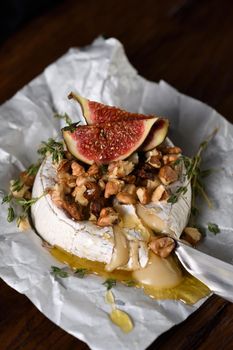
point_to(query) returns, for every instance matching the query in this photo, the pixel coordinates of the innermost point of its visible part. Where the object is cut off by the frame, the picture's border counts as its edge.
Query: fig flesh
(106, 142)
(156, 135)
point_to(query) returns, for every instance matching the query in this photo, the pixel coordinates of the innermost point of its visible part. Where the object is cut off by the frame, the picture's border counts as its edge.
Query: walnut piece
(28, 180)
(77, 169)
(131, 189)
(191, 235)
(126, 198)
(162, 246)
(158, 193)
(143, 195)
(172, 150)
(94, 170)
(167, 175)
(57, 195)
(93, 191)
(108, 217)
(73, 210)
(113, 187)
(155, 162)
(120, 169)
(78, 195)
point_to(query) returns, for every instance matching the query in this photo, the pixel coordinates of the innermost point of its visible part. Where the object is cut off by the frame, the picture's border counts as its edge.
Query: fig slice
(96, 112)
(156, 135)
(106, 142)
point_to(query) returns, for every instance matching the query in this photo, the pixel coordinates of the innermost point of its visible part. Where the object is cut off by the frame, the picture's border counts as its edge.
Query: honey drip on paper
(189, 291)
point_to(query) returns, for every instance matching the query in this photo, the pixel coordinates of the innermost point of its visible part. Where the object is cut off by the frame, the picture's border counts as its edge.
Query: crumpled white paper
(102, 72)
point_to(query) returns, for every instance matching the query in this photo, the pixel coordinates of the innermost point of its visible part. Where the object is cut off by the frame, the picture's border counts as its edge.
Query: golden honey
(189, 290)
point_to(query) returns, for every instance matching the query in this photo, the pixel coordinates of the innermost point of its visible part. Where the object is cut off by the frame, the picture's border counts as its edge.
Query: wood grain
(187, 43)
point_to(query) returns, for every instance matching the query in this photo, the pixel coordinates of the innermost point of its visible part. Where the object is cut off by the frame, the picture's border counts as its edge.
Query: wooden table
(187, 43)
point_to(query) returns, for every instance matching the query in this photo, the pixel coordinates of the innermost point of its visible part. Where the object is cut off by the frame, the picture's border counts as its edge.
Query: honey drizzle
(189, 291)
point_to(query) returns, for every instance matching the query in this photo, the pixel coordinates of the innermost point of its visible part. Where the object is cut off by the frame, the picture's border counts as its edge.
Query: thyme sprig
(58, 272)
(194, 175)
(64, 117)
(56, 149)
(81, 272)
(109, 283)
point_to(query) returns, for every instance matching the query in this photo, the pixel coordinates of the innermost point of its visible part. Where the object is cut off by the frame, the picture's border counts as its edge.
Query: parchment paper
(102, 72)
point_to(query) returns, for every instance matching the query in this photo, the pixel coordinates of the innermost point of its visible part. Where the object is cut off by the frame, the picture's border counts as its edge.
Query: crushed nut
(57, 195)
(169, 158)
(97, 205)
(77, 169)
(162, 246)
(126, 198)
(155, 162)
(120, 169)
(191, 235)
(108, 217)
(172, 150)
(113, 187)
(83, 179)
(93, 191)
(143, 195)
(158, 193)
(63, 166)
(78, 194)
(131, 189)
(154, 153)
(167, 175)
(73, 210)
(101, 184)
(94, 170)
(152, 184)
(129, 179)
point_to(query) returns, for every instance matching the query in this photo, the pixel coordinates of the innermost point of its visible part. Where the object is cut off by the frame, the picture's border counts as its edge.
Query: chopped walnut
(153, 153)
(73, 210)
(126, 198)
(113, 187)
(93, 191)
(146, 171)
(120, 169)
(129, 179)
(158, 193)
(155, 162)
(143, 195)
(169, 158)
(78, 194)
(57, 195)
(94, 170)
(77, 169)
(131, 189)
(108, 217)
(97, 205)
(172, 150)
(101, 184)
(67, 180)
(191, 235)
(83, 179)
(167, 175)
(152, 184)
(162, 246)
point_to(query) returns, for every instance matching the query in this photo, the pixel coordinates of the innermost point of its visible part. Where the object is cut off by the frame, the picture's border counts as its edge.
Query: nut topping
(108, 217)
(143, 195)
(77, 169)
(167, 175)
(162, 246)
(191, 235)
(113, 187)
(126, 198)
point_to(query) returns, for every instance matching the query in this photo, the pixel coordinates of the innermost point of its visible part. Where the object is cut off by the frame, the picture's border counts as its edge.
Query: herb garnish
(130, 283)
(213, 228)
(194, 176)
(56, 149)
(57, 272)
(109, 283)
(81, 272)
(11, 214)
(17, 185)
(65, 117)
(33, 169)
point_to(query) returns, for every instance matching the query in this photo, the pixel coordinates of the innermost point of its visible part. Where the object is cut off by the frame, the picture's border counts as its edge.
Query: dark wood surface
(187, 43)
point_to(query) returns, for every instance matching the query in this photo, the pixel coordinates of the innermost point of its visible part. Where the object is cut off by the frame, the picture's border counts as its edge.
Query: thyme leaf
(213, 228)
(7, 198)
(130, 283)
(64, 117)
(57, 272)
(109, 283)
(56, 149)
(11, 214)
(17, 185)
(81, 272)
(71, 127)
(33, 169)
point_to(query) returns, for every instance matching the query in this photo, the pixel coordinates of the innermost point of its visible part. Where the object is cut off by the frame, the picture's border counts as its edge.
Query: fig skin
(156, 135)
